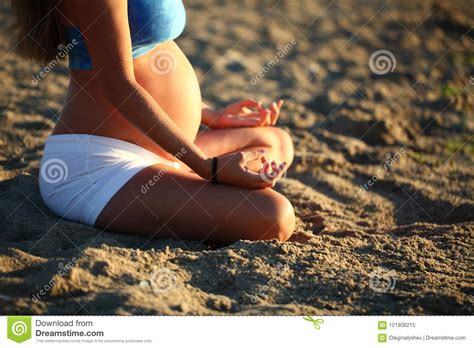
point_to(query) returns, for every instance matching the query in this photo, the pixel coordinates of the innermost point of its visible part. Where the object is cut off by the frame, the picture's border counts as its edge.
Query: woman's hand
(246, 113)
(232, 169)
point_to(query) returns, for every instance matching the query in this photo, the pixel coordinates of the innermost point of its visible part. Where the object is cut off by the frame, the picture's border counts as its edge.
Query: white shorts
(80, 173)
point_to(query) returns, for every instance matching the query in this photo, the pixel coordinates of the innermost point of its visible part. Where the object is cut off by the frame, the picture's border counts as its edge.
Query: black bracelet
(214, 170)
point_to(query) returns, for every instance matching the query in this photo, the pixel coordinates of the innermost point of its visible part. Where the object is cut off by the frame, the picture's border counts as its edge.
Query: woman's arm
(105, 26)
(108, 41)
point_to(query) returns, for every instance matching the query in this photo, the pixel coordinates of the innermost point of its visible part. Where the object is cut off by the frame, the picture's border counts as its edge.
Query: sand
(382, 181)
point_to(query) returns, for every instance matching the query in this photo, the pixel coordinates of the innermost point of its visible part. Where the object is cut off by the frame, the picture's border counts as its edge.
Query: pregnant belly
(168, 77)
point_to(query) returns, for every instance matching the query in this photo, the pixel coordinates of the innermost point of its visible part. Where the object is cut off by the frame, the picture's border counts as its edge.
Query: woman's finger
(245, 111)
(249, 103)
(276, 112)
(251, 114)
(276, 108)
(250, 121)
(266, 165)
(280, 170)
(282, 167)
(274, 167)
(265, 114)
(242, 120)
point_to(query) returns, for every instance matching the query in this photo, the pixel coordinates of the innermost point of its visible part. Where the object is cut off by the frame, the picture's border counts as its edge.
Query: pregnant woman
(127, 155)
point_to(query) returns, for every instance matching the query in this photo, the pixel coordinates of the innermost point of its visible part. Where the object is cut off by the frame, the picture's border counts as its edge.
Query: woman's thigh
(168, 203)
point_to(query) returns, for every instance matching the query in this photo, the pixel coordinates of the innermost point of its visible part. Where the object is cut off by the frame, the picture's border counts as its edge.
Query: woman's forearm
(138, 106)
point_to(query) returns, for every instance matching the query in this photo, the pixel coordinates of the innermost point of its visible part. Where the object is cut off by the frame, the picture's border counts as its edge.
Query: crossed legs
(182, 205)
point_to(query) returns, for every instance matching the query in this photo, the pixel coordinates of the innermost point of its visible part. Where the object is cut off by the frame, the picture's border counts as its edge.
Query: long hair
(37, 30)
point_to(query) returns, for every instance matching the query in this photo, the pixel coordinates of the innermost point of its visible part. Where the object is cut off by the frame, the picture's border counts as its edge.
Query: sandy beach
(382, 181)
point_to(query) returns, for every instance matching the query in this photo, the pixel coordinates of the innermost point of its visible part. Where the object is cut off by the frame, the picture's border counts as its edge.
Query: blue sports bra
(151, 23)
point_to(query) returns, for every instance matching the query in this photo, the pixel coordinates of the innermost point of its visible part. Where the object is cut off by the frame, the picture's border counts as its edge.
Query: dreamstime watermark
(273, 174)
(382, 62)
(54, 170)
(283, 50)
(390, 160)
(160, 173)
(163, 62)
(263, 290)
(63, 52)
(19, 328)
(63, 270)
(382, 280)
(163, 280)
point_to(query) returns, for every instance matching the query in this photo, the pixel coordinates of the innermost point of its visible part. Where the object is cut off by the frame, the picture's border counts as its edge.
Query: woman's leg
(277, 142)
(167, 203)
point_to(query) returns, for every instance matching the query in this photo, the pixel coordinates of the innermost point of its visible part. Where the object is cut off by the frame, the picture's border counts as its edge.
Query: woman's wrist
(204, 168)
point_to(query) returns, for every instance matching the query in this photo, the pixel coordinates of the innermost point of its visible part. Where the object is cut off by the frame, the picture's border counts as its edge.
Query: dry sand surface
(402, 245)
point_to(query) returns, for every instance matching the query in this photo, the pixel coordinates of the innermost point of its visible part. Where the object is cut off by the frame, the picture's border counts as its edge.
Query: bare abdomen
(164, 72)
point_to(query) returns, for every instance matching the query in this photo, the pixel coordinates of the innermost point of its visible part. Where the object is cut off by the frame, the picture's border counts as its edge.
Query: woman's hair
(37, 29)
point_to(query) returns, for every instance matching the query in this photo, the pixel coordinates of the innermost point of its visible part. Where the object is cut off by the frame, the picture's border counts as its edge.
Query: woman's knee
(283, 143)
(279, 218)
